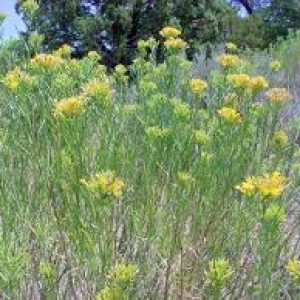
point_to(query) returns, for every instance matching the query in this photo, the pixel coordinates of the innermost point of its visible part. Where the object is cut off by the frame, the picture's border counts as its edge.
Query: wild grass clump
(147, 182)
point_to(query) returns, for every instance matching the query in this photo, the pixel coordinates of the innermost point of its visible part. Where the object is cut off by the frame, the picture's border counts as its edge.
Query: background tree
(114, 26)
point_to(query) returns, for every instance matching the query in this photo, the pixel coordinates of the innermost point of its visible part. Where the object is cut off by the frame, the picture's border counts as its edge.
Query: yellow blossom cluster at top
(170, 32)
(231, 46)
(281, 138)
(64, 51)
(30, 6)
(110, 293)
(230, 114)
(13, 79)
(105, 182)
(201, 137)
(47, 61)
(198, 85)
(158, 132)
(219, 272)
(276, 65)
(269, 185)
(123, 273)
(99, 90)
(68, 107)
(243, 81)
(176, 44)
(278, 95)
(293, 268)
(228, 60)
(240, 81)
(258, 83)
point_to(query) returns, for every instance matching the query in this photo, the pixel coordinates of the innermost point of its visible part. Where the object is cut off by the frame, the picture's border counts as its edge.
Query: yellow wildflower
(230, 114)
(219, 272)
(30, 6)
(201, 137)
(120, 69)
(175, 44)
(158, 132)
(248, 187)
(185, 178)
(281, 138)
(181, 109)
(293, 267)
(68, 107)
(47, 270)
(170, 32)
(228, 60)
(94, 55)
(231, 46)
(99, 90)
(64, 51)
(123, 273)
(13, 79)
(239, 80)
(46, 60)
(258, 83)
(105, 182)
(276, 65)
(198, 86)
(278, 95)
(271, 185)
(275, 214)
(110, 293)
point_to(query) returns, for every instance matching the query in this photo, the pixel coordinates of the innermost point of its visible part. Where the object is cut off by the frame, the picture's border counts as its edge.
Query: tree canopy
(113, 27)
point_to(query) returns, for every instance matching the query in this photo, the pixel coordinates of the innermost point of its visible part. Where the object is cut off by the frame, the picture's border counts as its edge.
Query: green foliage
(114, 27)
(112, 188)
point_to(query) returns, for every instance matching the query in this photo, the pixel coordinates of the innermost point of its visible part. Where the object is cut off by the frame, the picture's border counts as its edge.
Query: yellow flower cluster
(293, 267)
(120, 69)
(157, 132)
(275, 214)
(64, 51)
(185, 179)
(276, 65)
(13, 79)
(219, 272)
(29, 6)
(278, 95)
(181, 109)
(258, 83)
(198, 86)
(201, 137)
(240, 81)
(231, 46)
(170, 32)
(281, 138)
(228, 60)
(230, 114)
(247, 187)
(175, 44)
(99, 90)
(94, 55)
(68, 107)
(123, 273)
(47, 61)
(110, 293)
(243, 81)
(231, 98)
(106, 182)
(269, 185)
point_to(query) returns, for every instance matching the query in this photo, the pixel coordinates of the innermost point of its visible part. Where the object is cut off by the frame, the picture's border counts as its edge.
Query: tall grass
(179, 228)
